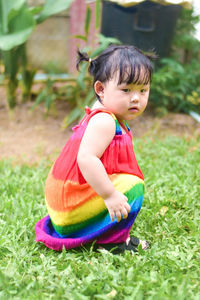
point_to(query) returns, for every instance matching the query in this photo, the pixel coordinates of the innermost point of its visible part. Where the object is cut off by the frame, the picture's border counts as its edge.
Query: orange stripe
(96, 205)
(62, 196)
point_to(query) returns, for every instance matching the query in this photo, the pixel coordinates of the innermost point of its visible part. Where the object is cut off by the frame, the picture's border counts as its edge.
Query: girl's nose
(134, 97)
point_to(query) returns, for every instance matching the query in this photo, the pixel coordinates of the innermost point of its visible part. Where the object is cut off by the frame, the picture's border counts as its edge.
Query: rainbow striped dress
(76, 213)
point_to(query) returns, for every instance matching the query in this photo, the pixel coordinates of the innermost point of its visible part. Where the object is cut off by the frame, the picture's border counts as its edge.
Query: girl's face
(125, 101)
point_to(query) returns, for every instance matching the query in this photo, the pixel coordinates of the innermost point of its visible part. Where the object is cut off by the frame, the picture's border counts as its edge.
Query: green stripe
(118, 128)
(135, 192)
(68, 229)
(132, 194)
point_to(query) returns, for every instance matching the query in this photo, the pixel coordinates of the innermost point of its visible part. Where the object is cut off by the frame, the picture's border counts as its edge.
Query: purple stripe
(109, 234)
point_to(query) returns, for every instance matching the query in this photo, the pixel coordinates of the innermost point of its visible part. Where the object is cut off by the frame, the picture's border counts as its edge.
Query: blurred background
(41, 88)
(42, 97)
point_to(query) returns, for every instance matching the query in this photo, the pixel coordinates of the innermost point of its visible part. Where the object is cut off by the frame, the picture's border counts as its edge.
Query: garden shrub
(176, 83)
(176, 87)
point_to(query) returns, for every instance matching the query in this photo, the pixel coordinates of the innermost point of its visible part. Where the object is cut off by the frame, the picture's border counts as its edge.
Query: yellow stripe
(122, 183)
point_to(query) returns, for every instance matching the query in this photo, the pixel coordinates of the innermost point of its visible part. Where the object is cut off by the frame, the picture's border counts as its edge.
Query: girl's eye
(143, 90)
(126, 90)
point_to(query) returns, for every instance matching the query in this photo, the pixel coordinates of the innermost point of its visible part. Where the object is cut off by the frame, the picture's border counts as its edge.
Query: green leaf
(40, 98)
(73, 116)
(108, 40)
(104, 43)
(7, 7)
(20, 28)
(7, 42)
(97, 51)
(89, 97)
(81, 77)
(81, 37)
(52, 7)
(49, 100)
(35, 10)
(11, 62)
(87, 21)
(97, 13)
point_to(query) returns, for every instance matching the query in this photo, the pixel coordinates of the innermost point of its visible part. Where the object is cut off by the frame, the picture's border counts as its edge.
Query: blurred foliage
(175, 87)
(184, 40)
(52, 67)
(79, 92)
(176, 83)
(48, 95)
(17, 21)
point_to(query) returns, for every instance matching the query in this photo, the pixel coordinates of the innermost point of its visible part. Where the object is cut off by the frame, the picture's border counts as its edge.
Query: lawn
(169, 219)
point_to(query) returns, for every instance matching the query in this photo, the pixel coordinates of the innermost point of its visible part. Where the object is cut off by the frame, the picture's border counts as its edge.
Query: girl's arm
(98, 135)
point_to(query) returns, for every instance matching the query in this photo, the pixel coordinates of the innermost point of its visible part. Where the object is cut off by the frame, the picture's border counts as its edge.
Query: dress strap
(127, 127)
(89, 113)
(118, 127)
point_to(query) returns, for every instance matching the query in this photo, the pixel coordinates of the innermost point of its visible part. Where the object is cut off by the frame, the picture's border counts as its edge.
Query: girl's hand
(117, 205)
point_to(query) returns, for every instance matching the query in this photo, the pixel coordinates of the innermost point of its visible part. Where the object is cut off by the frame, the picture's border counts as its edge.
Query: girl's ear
(99, 89)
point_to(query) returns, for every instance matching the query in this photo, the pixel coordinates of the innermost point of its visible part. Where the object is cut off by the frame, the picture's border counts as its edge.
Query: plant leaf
(20, 28)
(82, 75)
(52, 7)
(35, 10)
(97, 13)
(104, 43)
(40, 98)
(81, 37)
(89, 97)
(49, 100)
(72, 116)
(87, 21)
(8, 8)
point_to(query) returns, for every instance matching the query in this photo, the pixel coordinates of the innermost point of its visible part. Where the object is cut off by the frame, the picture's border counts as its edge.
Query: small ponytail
(82, 56)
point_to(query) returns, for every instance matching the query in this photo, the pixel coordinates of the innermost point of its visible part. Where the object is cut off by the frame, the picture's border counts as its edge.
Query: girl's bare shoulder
(98, 135)
(103, 122)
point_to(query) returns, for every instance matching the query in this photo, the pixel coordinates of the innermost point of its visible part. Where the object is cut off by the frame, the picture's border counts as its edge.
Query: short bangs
(131, 65)
(131, 69)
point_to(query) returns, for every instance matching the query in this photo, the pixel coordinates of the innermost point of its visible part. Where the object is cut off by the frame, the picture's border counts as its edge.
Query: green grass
(169, 219)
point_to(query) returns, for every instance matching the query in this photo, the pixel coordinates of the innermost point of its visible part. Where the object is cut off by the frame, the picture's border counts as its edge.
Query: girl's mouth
(134, 109)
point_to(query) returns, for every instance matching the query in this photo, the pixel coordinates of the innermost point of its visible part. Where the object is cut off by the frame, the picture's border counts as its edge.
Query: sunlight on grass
(169, 219)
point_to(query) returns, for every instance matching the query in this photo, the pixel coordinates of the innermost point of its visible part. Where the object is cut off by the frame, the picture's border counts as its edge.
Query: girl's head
(128, 62)
(121, 66)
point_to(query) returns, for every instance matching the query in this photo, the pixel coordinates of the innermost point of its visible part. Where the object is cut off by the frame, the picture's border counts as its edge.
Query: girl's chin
(133, 115)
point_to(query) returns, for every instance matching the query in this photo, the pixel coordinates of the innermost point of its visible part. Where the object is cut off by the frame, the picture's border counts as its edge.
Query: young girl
(94, 190)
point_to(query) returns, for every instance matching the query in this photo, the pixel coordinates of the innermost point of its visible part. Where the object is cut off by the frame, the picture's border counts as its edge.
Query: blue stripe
(107, 223)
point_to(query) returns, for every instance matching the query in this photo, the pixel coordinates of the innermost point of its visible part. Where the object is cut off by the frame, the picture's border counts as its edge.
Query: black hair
(132, 64)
